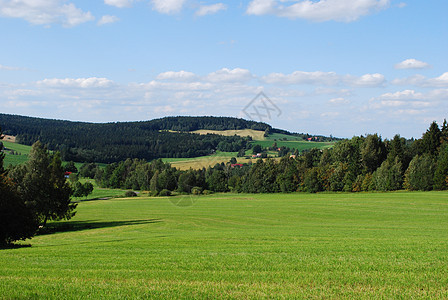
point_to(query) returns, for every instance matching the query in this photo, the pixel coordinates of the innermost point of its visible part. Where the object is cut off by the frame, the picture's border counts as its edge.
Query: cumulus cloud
(368, 80)
(409, 98)
(422, 81)
(92, 82)
(228, 75)
(319, 11)
(179, 76)
(210, 9)
(45, 12)
(441, 81)
(339, 101)
(168, 6)
(412, 64)
(324, 78)
(301, 77)
(177, 86)
(119, 3)
(108, 20)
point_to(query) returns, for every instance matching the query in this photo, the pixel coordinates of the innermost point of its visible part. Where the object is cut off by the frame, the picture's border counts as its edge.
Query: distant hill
(169, 137)
(112, 142)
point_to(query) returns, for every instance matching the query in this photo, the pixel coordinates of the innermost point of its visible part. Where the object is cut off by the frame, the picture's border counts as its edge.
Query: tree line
(362, 163)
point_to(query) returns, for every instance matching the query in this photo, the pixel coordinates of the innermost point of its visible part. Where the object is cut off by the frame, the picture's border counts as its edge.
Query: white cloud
(420, 80)
(177, 86)
(409, 98)
(108, 20)
(412, 64)
(92, 82)
(331, 114)
(441, 81)
(319, 11)
(300, 77)
(178, 76)
(339, 101)
(8, 68)
(210, 9)
(368, 80)
(119, 3)
(45, 12)
(168, 6)
(228, 75)
(324, 78)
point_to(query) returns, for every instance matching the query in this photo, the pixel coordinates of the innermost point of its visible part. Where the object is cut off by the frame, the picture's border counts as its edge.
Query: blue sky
(330, 67)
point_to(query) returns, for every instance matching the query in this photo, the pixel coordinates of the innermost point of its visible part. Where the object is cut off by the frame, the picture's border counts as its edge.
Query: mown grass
(299, 145)
(100, 193)
(201, 161)
(15, 159)
(318, 246)
(254, 134)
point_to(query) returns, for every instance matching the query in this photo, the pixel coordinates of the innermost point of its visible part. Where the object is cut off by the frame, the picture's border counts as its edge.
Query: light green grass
(10, 159)
(100, 193)
(321, 246)
(200, 161)
(299, 145)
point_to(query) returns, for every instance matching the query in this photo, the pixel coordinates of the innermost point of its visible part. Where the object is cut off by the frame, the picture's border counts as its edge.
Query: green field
(22, 156)
(201, 161)
(299, 145)
(381, 245)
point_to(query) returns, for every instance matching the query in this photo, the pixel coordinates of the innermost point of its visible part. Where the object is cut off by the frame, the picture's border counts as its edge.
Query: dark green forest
(363, 163)
(113, 142)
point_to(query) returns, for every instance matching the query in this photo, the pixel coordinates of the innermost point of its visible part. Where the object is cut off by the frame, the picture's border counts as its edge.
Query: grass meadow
(16, 159)
(366, 245)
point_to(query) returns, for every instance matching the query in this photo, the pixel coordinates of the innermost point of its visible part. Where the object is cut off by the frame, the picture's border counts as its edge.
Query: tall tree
(373, 153)
(431, 139)
(42, 183)
(441, 172)
(420, 173)
(17, 222)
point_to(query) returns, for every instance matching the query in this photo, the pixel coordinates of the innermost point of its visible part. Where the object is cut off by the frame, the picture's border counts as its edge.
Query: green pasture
(299, 145)
(201, 161)
(15, 159)
(100, 193)
(272, 246)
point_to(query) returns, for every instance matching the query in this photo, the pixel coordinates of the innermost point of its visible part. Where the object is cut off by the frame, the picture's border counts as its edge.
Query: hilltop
(169, 137)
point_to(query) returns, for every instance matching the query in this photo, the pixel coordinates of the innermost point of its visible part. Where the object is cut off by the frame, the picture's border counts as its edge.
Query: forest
(113, 142)
(362, 163)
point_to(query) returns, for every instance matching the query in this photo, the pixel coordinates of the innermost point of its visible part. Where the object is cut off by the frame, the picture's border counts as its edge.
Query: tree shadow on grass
(14, 246)
(68, 226)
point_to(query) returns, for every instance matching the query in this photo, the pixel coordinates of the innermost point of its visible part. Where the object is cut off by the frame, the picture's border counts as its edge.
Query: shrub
(207, 192)
(130, 194)
(196, 190)
(165, 193)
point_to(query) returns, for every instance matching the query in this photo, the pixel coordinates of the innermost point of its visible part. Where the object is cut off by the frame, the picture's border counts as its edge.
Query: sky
(328, 67)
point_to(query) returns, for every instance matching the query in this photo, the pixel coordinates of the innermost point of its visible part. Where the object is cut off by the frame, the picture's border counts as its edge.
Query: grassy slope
(23, 150)
(255, 134)
(241, 246)
(299, 145)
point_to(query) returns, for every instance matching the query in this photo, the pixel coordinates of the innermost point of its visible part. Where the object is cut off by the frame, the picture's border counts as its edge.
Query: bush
(165, 193)
(196, 190)
(130, 194)
(207, 192)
